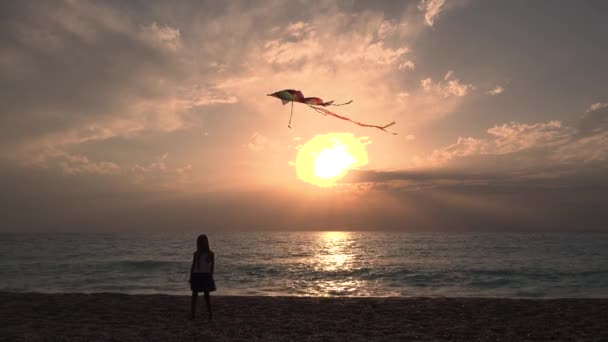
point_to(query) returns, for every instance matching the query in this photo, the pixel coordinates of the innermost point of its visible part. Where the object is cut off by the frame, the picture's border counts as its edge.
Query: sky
(143, 115)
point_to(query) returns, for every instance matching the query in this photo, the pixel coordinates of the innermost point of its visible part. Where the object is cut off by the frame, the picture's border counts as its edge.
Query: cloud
(258, 142)
(407, 65)
(589, 143)
(514, 152)
(376, 53)
(158, 165)
(291, 52)
(504, 139)
(545, 143)
(431, 9)
(446, 179)
(341, 56)
(392, 28)
(168, 36)
(138, 116)
(451, 87)
(77, 164)
(518, 177)
(462, 148)
(513, 137)
(298, 29)
(84, 73)
(596, 106)
(496, 91)
(144, 103)
(160, 175)
(308, 44)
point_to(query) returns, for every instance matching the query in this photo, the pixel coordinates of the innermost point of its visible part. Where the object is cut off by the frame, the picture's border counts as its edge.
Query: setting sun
(327, 158)
(333, 161)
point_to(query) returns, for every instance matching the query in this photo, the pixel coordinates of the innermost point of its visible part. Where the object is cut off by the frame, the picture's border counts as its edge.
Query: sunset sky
(140, 115)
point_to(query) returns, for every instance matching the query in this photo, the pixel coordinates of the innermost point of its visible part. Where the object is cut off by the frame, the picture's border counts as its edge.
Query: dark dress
(202, 282)
(201, 279)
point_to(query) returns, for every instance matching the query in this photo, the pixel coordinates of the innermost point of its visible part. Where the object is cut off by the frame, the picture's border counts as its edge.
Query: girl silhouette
(201, 273)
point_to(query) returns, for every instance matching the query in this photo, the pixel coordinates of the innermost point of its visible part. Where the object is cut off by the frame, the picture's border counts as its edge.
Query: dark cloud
(594, 121)
(378, 176)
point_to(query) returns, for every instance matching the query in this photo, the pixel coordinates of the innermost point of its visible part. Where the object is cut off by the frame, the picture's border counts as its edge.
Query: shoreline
(157, 317)
(286, 295)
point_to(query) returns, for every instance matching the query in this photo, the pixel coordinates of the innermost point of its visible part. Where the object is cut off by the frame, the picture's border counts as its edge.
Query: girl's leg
(208, 302)
(193, 304)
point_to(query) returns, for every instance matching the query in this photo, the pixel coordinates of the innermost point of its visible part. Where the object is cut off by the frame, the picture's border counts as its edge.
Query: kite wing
(290, 95)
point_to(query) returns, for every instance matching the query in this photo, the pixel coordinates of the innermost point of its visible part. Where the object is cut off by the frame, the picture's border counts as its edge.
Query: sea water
(313, 263)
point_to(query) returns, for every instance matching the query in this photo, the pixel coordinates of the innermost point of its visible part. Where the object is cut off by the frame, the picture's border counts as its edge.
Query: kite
(290, 95)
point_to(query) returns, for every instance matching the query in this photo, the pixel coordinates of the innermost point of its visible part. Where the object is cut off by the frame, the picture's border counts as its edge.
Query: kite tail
(326, 112)
(341, 104)
(290, 115)
(331, 103)
(389, 125)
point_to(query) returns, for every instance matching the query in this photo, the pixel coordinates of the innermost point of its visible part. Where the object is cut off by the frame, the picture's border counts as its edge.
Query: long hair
(202, 244)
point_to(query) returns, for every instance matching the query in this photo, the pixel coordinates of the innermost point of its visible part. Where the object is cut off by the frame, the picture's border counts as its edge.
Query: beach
(121, 317)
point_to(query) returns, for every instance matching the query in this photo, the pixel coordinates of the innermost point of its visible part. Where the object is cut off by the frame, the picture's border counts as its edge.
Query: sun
(332, 162)
(327, 158)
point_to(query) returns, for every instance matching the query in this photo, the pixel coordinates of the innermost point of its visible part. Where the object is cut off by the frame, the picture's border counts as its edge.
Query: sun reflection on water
(334, 256)
(333, 251)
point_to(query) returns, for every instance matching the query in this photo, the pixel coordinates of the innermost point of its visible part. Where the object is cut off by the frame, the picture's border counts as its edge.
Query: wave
(300, 264)
(147, 265)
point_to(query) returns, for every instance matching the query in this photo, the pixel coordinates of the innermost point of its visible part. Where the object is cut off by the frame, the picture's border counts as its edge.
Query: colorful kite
(290, 95)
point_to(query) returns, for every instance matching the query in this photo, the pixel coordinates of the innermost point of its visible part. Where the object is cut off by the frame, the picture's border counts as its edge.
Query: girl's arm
(192, 267)
(212, 263)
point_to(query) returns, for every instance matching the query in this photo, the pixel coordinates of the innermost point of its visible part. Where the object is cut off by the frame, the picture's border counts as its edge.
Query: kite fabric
(290, 95)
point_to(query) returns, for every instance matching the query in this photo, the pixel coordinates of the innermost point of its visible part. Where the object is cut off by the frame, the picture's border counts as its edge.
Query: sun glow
(327, 158)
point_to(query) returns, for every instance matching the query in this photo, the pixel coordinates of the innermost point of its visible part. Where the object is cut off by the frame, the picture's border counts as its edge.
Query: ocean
(313, 264)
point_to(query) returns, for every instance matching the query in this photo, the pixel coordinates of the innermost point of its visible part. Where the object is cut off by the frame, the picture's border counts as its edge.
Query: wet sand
(119, 317)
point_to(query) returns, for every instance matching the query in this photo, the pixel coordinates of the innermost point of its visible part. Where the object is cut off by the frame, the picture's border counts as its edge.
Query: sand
(119, 317)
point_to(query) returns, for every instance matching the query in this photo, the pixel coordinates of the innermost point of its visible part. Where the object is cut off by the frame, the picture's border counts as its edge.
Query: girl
(201, 273)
